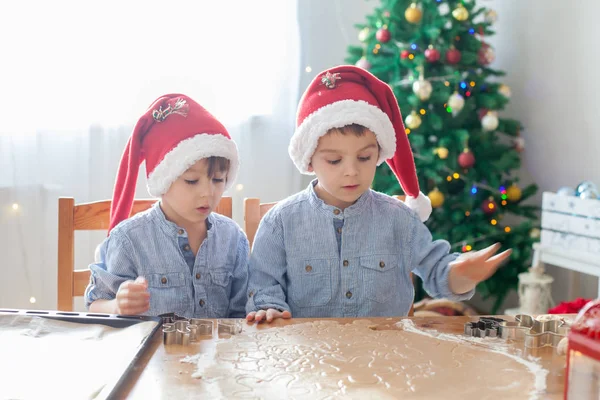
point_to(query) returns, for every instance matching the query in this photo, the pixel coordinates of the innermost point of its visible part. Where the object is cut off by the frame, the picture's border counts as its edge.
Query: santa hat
(348, 95)
(171, 136)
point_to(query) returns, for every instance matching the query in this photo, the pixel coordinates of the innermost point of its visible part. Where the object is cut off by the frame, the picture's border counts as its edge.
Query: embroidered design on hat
(329, 80)
(180, 107)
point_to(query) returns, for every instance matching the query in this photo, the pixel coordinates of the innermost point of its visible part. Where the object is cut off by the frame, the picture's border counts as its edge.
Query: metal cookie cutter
(182, 331)
(229, 326)
(535, 332)
(486, 326)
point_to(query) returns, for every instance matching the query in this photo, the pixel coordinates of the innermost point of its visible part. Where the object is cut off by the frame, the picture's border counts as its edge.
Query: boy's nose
(205, 190)
(351, 169)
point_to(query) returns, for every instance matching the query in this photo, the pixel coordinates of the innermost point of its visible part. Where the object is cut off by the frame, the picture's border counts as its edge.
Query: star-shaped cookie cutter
(486, 326)
(534, 332)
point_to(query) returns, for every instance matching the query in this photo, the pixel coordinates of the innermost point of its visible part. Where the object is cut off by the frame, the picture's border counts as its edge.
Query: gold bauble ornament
(441, 152)
(436, 197)
(363, 35)
(535, 233)
(504, 90)
(413, 120)
(513, 193)
(460, 13)
(413, 14)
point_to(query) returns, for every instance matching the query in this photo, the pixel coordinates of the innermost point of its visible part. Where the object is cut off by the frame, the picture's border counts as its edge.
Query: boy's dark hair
(356, 129)
(217, 164)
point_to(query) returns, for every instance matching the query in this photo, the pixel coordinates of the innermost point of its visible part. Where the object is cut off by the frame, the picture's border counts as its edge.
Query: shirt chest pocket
(309, 282)
(380, 277)
(167, 292)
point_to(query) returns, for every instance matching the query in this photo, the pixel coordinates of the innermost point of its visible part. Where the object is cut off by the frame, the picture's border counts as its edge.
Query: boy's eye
(364, 158)
(218, 180)
(333, 162)
(191, 182)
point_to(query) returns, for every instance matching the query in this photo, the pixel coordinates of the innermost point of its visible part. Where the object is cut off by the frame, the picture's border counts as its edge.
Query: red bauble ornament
(432, 55)
(482, 112)
(383, 35)
(489, 206)
(485, 55)
(466, 159)
(404, 54)
(453, 56)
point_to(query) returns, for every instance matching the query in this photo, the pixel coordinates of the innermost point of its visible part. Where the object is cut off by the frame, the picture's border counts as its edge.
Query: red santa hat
(171, 136)
(348, 95)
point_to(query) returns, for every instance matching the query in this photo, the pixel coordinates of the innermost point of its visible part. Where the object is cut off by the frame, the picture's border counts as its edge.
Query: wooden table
(161, 374)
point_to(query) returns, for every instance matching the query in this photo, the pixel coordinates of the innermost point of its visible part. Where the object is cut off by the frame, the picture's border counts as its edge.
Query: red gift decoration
(569, 307)
(583, 354)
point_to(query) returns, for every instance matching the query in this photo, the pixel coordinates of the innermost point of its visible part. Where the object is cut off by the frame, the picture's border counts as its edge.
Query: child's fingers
(260, 315)
(498, 259)
(250, 316)
(273, 314)
(142, 281)
(486, 253)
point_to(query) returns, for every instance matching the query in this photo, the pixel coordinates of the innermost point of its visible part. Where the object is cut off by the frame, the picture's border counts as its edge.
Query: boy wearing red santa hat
(178, 256)
(340, 249)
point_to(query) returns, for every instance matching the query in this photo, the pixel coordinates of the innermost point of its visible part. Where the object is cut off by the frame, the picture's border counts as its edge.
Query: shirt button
(381, 264)
(336, 211)
(198, 275)
(339, 230)
(308, 268)
(187, 247)
(251, 294)
(180, 231)
(201, 302)
(163, 280)
(346, 263)
(348, 294)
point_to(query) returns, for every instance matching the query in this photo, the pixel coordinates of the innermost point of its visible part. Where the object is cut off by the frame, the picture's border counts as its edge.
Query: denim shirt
(316, 260)
(213, 284)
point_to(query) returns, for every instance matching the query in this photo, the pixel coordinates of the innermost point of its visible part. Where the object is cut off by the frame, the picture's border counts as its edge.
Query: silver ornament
(585, 185)
(491, 16)
(489, 122)
(422, 89)
(589, 193)
(565, 191)
(363, 63)
(456, 103)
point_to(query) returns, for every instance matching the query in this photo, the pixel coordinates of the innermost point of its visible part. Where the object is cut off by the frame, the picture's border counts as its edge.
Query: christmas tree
(434, 55)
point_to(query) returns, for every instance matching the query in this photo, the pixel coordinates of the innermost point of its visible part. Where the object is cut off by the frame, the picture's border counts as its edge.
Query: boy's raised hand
(133, 297)
(473, 267)
(268, 315)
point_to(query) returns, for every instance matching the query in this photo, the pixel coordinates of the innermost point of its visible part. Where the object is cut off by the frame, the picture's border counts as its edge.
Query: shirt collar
(171, 228)
(335, 212)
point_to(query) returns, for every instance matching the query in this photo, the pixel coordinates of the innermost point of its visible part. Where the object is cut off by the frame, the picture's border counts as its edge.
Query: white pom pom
(421, 204)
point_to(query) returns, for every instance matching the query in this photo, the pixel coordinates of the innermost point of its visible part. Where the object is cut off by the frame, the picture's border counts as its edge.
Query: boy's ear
(310, 168)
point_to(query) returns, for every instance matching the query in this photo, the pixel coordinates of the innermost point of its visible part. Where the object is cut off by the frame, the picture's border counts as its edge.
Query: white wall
(548, 50)
(326, 30)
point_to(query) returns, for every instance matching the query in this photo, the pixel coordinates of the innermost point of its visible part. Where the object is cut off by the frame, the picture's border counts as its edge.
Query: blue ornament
(585, 185)
(566, 191)
(589, 193)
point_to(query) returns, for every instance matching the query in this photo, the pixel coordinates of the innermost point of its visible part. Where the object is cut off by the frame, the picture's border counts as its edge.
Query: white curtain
(75, 77)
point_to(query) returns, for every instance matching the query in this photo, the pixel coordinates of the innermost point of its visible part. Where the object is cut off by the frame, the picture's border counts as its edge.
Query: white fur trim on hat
(421, 204)
(186, 154)
(337, 115)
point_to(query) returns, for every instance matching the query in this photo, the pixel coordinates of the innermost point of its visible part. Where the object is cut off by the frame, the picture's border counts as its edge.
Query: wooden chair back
(90, 217)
